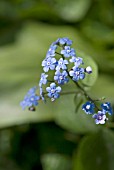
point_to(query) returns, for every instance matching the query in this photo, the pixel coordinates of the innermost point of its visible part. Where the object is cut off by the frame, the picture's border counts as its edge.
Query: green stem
(110, 125)
(84, 92)
(70, 92)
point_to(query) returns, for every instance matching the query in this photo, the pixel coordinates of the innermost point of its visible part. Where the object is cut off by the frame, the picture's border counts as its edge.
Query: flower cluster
(100, 117)
(60, 66)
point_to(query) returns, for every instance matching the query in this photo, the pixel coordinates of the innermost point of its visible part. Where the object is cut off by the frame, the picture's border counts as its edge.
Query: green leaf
(104, 87)
(55, 161)
(90, 79)
(65, 116)
(72, 11)
(96, 152)
(78, 100)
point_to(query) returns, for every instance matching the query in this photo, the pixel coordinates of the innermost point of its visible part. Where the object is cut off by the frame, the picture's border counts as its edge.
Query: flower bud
(88, 70)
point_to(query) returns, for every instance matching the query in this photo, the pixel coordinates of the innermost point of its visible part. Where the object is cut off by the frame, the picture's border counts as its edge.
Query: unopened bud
(88, 70)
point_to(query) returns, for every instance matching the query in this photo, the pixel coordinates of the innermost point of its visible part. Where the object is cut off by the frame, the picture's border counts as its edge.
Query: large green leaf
(72, 11)
(104, 86)
(66, 117)
(96, 152)
(54, 161)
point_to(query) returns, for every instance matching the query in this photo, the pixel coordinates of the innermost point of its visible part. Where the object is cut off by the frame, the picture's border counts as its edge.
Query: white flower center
(48, 63)
(53, 90)
(32, 99)
(61, 77)
(77, 73)
(88, 107)
(68, 51)
(60, 63)
(99, 117)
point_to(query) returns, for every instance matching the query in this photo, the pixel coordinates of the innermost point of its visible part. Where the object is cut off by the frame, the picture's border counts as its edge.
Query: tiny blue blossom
(53, 91)
(100, 118)
(88, 107)
(41, 94)
(61, 78)
(43, 79)
(77, 73)
(49, 63)
(61, 64)
(68, 52)
(31, 99)
(63, 41)
(51, 51)
(76, 60)
(106, 107)
(32, 91)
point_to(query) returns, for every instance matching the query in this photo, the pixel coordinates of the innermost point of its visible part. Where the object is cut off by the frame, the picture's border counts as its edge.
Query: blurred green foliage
(54, 137)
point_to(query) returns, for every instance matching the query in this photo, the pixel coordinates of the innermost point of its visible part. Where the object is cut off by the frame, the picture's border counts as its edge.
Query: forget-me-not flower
(63, 41)
(88, 107)
(77, 73)
(100, 118)
(61, 64)
(51, 51)
(53, 91)
(106, 107)
(68, 52)
(31, 99)
(61, 77)
(43, 79)
(49, 63)
(76, 60)
(42, 94)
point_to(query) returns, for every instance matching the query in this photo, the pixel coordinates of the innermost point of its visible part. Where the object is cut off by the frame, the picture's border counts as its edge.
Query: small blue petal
(107, 108)
(53, 91)
(88, 107)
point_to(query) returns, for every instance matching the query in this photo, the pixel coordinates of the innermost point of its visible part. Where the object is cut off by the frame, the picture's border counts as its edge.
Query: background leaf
(96, 152)
(74, 10)
(55, 162)
(66, 117)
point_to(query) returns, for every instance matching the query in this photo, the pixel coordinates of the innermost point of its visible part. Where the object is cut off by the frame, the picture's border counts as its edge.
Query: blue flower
(88, 107)
(32, 91)
(42, 94)
(68, 52)
(61, 78)
(61, 64)
(43, 79)
(63, 41)
(77, 73)
(51, 51)
(100, 118)
(53, 91)
(76, 60)
(31, 99)
(49, 63)
(106, 107)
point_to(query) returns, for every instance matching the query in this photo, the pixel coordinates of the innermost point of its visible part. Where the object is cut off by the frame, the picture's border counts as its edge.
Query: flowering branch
(67, 67)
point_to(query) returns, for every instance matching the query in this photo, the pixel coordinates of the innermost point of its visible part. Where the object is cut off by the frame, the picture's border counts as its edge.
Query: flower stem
(84, 92)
